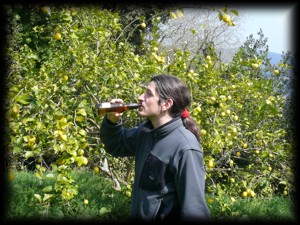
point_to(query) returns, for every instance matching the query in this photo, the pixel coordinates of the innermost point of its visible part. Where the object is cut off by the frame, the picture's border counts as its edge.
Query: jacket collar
(164, 129)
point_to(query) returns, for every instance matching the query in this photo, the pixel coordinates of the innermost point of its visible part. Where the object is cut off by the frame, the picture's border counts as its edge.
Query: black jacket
(169, 171)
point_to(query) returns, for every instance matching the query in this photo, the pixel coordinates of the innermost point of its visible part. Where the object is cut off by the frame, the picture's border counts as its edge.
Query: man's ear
(167, 104)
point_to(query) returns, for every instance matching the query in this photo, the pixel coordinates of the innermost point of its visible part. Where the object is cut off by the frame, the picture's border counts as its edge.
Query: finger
(113, 100)
(115, 114)
(116, 100)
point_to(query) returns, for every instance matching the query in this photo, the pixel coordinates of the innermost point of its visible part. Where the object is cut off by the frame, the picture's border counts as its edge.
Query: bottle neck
(113, 105)
(133, 105)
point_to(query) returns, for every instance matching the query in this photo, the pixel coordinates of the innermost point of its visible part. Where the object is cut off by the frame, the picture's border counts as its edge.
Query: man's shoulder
(186, 137)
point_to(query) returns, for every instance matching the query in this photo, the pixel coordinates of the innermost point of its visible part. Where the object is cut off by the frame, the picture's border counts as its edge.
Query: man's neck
(159, 121)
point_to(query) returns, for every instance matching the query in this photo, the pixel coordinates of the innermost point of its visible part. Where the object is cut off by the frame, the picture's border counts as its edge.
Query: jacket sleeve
(117, 140)
(190, 183)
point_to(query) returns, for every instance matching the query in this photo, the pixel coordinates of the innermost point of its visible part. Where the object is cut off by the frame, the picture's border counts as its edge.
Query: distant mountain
(227, 55)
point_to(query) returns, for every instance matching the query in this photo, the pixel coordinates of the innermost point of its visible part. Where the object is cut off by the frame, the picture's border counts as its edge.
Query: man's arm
(118, 141)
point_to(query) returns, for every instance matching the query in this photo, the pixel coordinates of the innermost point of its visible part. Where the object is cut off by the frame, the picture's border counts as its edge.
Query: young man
(169, 181)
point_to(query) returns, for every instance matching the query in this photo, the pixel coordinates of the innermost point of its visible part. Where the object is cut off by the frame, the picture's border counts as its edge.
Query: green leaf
(81, 160)
(50, 175)
(283, 182)
(47, 197)
(103, 210)
(193, 31)
(23, 99)
(220, 15)
(235, 12)
(28, 154)
(220, 190)
(38, 197)
(16, 150)
(73, 190)
(47, 189)
(82, 112)
(79, 119)
(82, 132)
(73, 36)
(54, 167)
(33, 56)
(58, 115)
(26, 120)
(39, 174)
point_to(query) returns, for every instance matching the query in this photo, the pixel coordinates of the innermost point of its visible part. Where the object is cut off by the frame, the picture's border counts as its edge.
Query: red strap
(185, 113)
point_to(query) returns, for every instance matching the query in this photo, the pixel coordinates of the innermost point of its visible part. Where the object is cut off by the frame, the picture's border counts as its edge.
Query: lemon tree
(72, 58)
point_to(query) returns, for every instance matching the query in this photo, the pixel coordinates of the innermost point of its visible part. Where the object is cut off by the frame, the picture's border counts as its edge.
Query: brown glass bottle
(106, 107)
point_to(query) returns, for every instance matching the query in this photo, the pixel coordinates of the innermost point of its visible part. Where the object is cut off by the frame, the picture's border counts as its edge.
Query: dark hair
(171, 87)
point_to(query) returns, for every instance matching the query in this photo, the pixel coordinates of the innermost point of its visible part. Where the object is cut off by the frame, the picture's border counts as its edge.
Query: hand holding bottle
(114, 117)
(115, 108)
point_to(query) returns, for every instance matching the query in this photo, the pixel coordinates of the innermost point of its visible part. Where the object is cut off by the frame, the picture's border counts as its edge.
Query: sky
(275, 22)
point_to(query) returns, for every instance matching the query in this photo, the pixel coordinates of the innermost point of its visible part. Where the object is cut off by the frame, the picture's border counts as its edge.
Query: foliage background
(243, 107)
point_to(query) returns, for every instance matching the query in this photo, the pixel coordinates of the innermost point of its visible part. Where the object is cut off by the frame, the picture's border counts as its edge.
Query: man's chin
(141, 114)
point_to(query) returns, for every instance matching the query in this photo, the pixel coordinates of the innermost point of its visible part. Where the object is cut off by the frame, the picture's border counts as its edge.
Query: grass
(107, 204)
(276, 208)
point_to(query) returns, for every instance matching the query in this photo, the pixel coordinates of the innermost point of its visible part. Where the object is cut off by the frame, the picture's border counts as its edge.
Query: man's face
(150, 108)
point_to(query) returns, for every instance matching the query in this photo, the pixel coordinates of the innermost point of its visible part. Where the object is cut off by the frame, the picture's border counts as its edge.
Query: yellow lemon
(57, 36)
(143, 25)
(96, 169)
(210, 200)
(226, 18)
(210, 163)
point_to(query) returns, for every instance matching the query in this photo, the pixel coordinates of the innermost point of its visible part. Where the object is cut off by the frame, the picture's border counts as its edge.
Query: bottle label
(106, 105)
